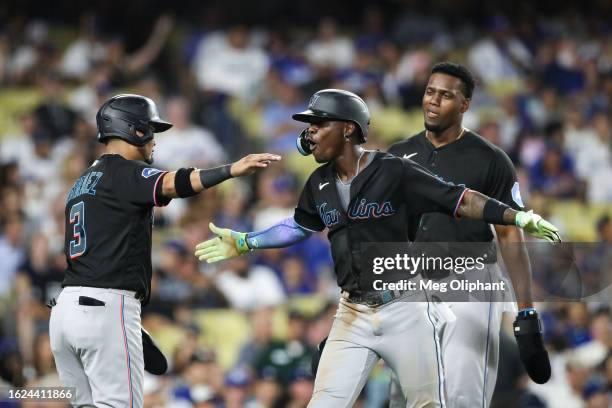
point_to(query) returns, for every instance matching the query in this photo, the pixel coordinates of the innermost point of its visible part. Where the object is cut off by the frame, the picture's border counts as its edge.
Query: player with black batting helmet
(95, 330)
(360, 196)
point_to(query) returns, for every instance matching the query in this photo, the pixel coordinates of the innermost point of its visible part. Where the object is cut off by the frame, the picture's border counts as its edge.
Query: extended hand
(535, 225)
(248, 164)
(228, 244)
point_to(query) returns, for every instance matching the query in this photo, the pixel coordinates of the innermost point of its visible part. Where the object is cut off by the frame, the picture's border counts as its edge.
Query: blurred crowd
(242, 333)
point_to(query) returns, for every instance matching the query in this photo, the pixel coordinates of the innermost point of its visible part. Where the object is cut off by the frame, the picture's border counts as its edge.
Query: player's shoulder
(407, 145)
(320, 173)
(123, 166)
(485, 147)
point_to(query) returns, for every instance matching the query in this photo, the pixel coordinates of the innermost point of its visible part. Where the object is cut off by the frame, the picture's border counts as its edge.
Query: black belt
(373, 299)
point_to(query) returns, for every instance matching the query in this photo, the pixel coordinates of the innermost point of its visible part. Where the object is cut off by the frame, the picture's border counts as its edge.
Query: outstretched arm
(478, 206)
(188, 182)
(229, 244)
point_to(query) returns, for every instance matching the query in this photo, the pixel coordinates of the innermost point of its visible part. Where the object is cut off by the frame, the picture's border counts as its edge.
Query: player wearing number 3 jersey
(95, 329)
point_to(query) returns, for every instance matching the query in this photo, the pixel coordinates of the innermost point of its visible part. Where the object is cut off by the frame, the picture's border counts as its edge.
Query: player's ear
(465, 105)
(349, 128)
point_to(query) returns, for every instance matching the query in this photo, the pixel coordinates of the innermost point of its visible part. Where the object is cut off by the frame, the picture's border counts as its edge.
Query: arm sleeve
(139, 184)
(283, 234)
(306, 214)
(425, 192)
(502, 182)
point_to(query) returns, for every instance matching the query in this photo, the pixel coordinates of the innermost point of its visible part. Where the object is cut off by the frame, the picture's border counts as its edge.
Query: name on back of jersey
(86, 184)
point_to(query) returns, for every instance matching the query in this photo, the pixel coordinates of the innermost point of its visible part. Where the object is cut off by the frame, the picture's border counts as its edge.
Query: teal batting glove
(535, 225)
(227, 245)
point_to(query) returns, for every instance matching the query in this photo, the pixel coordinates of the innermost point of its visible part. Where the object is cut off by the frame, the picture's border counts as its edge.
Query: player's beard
(147, 157)
(436, 128)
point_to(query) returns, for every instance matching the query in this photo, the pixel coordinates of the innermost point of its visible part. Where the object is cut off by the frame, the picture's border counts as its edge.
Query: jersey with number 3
(109, 220)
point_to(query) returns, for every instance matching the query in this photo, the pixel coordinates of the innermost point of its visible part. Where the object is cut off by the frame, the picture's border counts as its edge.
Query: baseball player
(95, 326)
(360, 196)
(446, 148)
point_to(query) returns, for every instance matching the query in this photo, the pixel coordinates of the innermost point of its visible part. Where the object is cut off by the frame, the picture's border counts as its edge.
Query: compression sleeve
(283, 234)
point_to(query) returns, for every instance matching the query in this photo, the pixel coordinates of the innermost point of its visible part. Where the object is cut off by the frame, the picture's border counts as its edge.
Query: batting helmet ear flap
(302, 143)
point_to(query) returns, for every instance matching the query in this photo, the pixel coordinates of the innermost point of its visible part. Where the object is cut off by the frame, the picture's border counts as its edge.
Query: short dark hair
(458, 71)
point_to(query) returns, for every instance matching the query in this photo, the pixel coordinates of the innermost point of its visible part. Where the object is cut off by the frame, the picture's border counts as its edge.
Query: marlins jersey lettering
(380, 196)
(109, 218)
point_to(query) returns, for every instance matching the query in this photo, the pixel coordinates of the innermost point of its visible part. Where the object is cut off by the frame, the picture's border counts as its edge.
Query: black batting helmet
(122, 115)
(337, 104)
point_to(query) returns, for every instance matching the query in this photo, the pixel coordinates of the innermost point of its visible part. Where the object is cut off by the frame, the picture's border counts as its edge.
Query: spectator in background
(231, 65)
(53, 115)
(44, 362)
(287, 60)
(261, 336)
(329, 50)
(33, 54)
(362, 74)
(276, 192)
(84, 52)
(31, 149)
(594, 353)
(185, 143)
(234, 204)
(500, 57)
(237, 389)
(266, 390)
(248, 286)
(124, 66)
(12, 253)
(11, 363)
(290, 355)
(577, 331)
(596, 394)
(413, 73)
(295, 277)
(200, 381)
(88, 97)
(278, 128)
(553, 174)
(300, 389)
(594, 161)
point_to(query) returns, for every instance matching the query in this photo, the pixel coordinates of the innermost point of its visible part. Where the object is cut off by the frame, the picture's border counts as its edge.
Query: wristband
(526, 311)
(214, 176)
(493, 212)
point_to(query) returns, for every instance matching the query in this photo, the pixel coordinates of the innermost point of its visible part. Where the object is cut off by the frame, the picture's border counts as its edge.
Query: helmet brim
(160, 125)
(310, 116)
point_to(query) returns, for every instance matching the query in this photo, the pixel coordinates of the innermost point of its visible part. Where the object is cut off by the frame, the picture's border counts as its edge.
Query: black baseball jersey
(470, 161)
(380, 196)
(109, 219)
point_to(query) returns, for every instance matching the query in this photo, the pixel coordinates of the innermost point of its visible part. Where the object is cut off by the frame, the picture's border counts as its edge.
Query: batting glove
(535, 225)
(228, 244)
(528, 335)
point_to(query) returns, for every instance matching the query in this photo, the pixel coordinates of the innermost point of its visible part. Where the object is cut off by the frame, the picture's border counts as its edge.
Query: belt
(373, 299)
(127, 292)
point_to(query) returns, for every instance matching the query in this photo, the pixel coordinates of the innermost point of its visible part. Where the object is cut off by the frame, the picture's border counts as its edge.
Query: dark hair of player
(458, 71)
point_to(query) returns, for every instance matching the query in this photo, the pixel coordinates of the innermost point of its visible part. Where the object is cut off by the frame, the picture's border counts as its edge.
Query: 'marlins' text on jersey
(379, 196)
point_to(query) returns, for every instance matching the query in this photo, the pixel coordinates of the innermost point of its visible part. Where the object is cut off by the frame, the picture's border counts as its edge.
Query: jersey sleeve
(425, 192)
(306, 214)
(502, 183)
(137, 183)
